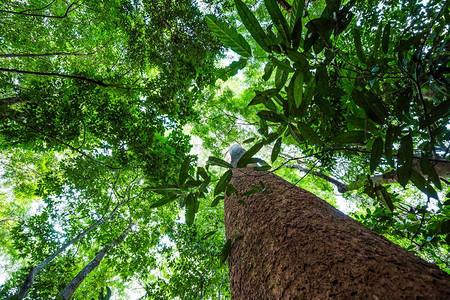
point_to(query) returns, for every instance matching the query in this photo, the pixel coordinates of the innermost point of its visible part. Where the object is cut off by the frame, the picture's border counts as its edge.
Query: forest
(116, 117)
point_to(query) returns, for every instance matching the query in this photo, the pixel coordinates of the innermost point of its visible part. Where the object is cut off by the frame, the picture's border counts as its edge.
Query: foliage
(347, 81)
(98, 99)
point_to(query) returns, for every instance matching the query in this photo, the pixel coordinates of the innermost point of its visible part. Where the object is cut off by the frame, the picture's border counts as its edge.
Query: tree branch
(79, 278)
(97, 82)
(342, 187)
(41, 16)
(34, 270)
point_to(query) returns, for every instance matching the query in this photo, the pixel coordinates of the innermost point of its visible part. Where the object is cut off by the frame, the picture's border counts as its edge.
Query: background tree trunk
(68, 291)
(289, 244)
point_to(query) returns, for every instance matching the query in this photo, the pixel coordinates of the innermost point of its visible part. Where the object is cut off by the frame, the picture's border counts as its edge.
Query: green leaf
(377, 151)
(372, 105)
(273, 40)
(384, 197)
(192, 206)
(412, 41)
(285, 65)
(351, 137)
(249, 193)
(245, 159)
(428, 169)
(389, 142)
(295, 133)
(421, 183)
(214, 161)
(344, 18)
(230, 190)
(276, 150)
(229, 36)
(268, 70)
(209, 234)
(308, 133)
(223, 182)
(225, 252)
(165, 189)
(279, 20)
(252, 25)
(358, 45)
(333, 5)
(405, 159)
(263, 97)
(298, 88)
(216, 201)
(296, 22)
(321, 25)
(404, 100)
(322, 80)
(231, 70)
(280, 77)
(250, 140)
(270, 116)
(296, 11)
(191, 182)
(385, 39)
(438, 112)
(184, 171)
(163, 201)
(270, 138)
(202, 172)
(376, 44)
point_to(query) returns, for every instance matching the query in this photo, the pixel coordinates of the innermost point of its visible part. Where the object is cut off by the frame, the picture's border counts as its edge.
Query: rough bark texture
(289, 244)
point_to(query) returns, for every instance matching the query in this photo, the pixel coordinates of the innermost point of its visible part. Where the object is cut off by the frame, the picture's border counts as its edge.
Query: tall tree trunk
(289, 244)
(78, 279)
(28, 283)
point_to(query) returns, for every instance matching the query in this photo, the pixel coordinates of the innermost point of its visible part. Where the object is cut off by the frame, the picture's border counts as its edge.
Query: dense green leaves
(94, 107)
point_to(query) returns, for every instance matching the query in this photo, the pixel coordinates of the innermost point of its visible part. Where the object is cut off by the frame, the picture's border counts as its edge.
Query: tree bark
(289, 244)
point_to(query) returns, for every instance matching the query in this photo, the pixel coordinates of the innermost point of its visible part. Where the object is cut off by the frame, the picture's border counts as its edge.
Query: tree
(357, 118)
(339, 92)
(287, 243)
(103, 89)
(78, 279)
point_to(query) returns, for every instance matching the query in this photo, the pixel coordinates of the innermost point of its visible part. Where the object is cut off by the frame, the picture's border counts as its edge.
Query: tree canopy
(101, 102)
